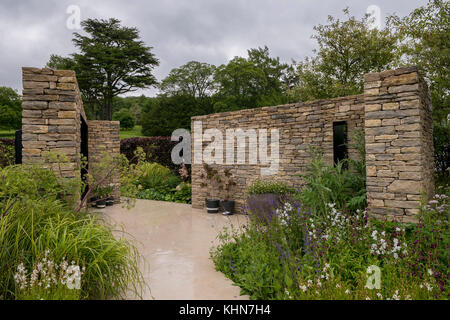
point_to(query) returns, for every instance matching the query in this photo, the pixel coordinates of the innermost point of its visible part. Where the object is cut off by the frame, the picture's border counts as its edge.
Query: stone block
(372, 123)
(67, 80)
(372, 107)
(35, 85)
(391, 106)
(34, 105)
(404, 88)
(405, 186)
(67, 114)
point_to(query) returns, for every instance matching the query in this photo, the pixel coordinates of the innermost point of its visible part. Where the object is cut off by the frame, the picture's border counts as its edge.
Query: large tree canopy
(112, 61)
(347, 50)
(425, 35)
(195, 79)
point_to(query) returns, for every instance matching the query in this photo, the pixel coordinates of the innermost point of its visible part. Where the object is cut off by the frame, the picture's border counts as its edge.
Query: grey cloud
(179, 30)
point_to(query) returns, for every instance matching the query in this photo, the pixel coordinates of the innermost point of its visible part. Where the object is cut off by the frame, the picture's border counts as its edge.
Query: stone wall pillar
(51, 122)
(51, 115)
(104, 136)
(399, 143)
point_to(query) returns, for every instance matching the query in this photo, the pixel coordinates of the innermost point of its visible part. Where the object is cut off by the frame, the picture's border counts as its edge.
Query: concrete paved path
(175, 240)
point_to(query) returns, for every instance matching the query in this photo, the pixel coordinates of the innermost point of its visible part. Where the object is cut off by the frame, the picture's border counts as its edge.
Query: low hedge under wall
(158, 149)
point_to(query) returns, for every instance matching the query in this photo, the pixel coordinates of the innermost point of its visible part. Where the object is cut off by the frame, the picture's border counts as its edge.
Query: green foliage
(441, 133)
(61, 63)
(153, 181)
(125, 117)
(33, 220)
(194, 79)
(265, 187)
(425, 35)
(333, 184)
(7, 153)
(10, 109)
(347, 50)
(166, 114)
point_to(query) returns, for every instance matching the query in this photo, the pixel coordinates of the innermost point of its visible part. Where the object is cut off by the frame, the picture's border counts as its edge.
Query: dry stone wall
(399, 142)
(52, 113)
(300, 127)
(395, 115)
(104, 137)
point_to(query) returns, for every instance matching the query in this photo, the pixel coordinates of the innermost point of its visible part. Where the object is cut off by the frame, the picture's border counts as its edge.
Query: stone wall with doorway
(52, 115)
(394, 114)
(300, 126)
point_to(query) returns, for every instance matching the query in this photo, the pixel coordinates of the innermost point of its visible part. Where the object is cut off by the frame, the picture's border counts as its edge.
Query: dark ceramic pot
(110, 201)
(101, 203)
(228, 207)
(212, 205)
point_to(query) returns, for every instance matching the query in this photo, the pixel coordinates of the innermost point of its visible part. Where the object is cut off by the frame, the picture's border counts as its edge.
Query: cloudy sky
(210, 31)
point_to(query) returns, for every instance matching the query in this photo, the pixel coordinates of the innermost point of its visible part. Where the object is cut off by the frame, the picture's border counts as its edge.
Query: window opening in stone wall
(340, 149)
(84, 151)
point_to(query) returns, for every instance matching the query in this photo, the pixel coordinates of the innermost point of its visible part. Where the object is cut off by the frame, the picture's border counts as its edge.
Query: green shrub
(125, 117)
(156, 176)
(7, 152)
(183, 193)
(343, 184)
(265, 187)
(34, 219)
(157, 182)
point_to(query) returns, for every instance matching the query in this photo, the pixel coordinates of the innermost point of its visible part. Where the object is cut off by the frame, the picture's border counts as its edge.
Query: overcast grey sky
(210, 31)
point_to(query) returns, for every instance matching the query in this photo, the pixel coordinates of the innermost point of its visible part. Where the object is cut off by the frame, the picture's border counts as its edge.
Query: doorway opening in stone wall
(340, 140)
(85, 152)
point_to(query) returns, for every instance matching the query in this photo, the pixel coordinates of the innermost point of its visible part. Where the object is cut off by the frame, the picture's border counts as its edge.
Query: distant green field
(7, 134)
(135, 132)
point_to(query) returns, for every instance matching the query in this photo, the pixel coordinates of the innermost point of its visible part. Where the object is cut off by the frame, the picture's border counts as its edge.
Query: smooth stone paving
(175, 242)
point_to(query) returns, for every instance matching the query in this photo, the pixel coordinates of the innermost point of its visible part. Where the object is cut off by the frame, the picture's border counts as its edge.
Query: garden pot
(110, 201)
(212, 205)
(93, 201)
(101, 203)
(228, 207)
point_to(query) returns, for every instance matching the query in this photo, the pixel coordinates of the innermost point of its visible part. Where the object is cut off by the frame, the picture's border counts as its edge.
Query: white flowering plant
(47, 280)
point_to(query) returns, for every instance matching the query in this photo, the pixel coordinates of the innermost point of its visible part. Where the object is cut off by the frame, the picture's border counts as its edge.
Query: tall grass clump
(34, 220)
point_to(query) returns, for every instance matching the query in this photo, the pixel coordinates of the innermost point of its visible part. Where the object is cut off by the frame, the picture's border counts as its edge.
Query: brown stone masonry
(300, 126)
(399, 142)
(395, 114)
(51, 121)
(104, 136)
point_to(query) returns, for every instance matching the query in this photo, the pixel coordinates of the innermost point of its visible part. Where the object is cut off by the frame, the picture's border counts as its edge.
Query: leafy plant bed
(153, 181)
(297, 255)
(180, 195)
(39, 231)
(319, 243)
